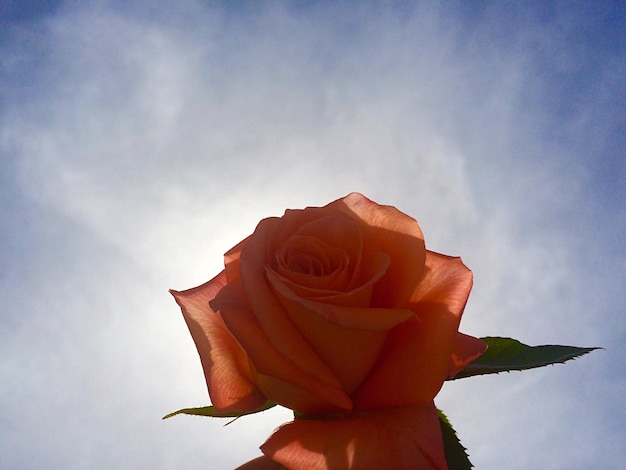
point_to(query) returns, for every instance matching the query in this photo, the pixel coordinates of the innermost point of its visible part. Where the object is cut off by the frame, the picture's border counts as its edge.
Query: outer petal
(231, 260)
(394, 438)
(446, 280)
(227, 371)
(416, 359)
(388, 230)
(466, 349)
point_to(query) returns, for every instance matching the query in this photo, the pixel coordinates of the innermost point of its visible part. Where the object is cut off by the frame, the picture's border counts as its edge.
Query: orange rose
(341, 314)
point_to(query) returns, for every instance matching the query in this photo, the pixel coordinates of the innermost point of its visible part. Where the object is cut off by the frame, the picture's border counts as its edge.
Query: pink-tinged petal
(269, 361)
(466, 349)
(394, 438)
(387, 229)
(227, 371)
(274, 322)
(416, 358)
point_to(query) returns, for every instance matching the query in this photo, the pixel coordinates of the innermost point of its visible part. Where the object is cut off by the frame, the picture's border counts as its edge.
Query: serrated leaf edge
(445, 423)
(484, 368)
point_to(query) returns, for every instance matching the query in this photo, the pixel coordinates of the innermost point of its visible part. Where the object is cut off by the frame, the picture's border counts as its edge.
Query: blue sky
(140, 141)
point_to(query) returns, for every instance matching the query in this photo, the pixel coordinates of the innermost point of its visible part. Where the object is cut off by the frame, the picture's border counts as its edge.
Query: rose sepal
(213, 413)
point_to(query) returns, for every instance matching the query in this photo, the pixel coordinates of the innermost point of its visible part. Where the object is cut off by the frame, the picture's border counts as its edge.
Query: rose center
(309, 256)
(306, 264)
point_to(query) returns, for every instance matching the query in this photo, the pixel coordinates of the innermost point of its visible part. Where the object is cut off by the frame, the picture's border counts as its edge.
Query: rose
(341, 314)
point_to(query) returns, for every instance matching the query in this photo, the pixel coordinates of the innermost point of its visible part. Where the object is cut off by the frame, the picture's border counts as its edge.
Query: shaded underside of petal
(466, 349)
(394, 438)
(408, 372)
(227, 370)
(313, 399)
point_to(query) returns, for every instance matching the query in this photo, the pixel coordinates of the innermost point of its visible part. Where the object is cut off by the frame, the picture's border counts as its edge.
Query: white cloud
(147, 143)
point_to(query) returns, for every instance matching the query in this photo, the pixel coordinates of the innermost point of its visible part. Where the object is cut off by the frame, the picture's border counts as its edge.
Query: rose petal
(273, 321)
(466, 349)
(342, 233)
(307, 398)
(293, 220)
(269, 361)
(416, 358)
(361, 318)
(325, 270)
(261, 463)
(373, 267)
(446, 280)
(349, 352)
(397, 438)
(387, 229)
(231, 260)
(227, 371)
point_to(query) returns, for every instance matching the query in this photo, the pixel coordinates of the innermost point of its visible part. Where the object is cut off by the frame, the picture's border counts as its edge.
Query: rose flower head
(340, 314)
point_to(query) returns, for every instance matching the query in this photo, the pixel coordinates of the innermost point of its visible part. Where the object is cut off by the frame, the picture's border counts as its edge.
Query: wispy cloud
(141, 144)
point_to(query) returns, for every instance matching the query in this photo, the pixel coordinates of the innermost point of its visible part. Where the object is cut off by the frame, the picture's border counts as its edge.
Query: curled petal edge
(227, 371)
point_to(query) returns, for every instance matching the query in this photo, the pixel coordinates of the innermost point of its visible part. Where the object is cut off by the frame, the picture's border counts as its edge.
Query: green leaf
(506, 354)
(456, 457)
(211, 411)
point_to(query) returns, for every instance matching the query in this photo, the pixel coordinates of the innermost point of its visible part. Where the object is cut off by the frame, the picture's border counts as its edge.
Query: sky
(139, 141)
